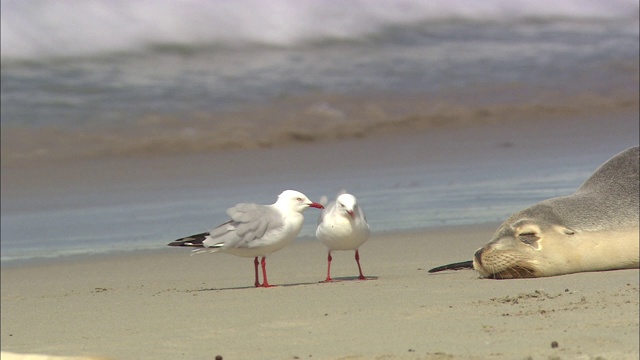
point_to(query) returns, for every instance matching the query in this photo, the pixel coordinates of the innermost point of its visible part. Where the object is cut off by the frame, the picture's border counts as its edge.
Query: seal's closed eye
(529, 238)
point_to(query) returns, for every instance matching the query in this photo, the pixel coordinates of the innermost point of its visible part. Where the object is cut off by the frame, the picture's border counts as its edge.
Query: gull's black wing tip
(193, 240)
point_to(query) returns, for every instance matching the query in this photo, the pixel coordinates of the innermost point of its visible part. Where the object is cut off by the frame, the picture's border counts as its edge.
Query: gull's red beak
(351, 213)
(316, 205)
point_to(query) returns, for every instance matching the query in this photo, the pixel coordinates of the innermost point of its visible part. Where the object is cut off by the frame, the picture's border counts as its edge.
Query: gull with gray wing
(255, 230)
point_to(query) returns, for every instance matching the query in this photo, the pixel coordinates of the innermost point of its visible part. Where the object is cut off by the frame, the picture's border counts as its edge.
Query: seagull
(255, 230)
(343, 226)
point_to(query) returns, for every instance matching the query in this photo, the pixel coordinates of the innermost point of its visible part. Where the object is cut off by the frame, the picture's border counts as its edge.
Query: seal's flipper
(454, 266)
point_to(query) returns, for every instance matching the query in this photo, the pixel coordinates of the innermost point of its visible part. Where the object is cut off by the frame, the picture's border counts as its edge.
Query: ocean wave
(285, 122)
(34, 30)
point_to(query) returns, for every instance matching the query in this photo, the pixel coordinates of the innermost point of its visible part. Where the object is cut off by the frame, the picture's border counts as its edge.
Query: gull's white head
(346, 204)
(292, 200)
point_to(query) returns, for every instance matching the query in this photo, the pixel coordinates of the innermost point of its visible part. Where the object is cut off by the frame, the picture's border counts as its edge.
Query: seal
(594, 229)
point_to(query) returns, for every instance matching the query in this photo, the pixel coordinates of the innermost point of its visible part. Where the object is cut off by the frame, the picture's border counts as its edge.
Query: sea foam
(33, 30)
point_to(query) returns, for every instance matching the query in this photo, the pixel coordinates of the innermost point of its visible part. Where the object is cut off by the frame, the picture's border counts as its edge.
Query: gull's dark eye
(299, 199)
(529, 238)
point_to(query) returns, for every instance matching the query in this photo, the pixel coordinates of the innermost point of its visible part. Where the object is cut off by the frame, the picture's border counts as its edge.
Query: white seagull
(343, 226)
(255, 230)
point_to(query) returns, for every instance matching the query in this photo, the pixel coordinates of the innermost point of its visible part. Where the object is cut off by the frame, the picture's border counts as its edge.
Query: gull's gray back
(249, 223)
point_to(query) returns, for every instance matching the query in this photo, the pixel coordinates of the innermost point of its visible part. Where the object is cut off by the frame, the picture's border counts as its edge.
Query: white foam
(33, 29)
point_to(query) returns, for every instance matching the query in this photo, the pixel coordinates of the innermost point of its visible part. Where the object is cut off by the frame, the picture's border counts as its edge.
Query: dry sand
(166, 304)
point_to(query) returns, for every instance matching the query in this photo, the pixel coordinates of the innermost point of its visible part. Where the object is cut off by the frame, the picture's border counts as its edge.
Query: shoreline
(372, 117)
(166, 304)
(109, 255)
(89, 198)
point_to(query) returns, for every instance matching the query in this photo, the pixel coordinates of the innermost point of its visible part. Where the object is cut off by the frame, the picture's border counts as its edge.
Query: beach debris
(455, 266)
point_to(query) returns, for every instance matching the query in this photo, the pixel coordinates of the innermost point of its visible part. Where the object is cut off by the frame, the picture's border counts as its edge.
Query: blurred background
(105, 78)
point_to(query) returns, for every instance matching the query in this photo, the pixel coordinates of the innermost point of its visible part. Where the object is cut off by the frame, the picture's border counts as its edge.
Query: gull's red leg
(255, 263)
(329, 258)
(361, 277)
(265, 283)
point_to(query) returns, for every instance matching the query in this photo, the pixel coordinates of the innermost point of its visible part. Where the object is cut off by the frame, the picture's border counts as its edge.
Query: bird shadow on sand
(347, 279)
(250, 287)
(335, 280)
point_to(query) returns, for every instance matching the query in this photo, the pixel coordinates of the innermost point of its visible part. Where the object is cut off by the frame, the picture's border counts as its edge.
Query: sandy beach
(166, 304)
(126, 126)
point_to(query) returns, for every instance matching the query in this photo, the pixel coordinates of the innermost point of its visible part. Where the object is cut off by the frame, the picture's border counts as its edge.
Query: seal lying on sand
(594, 229)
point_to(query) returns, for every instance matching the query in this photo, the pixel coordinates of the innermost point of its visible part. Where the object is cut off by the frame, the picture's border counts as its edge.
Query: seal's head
(541, 241)
(526, 245)
(594, 229)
